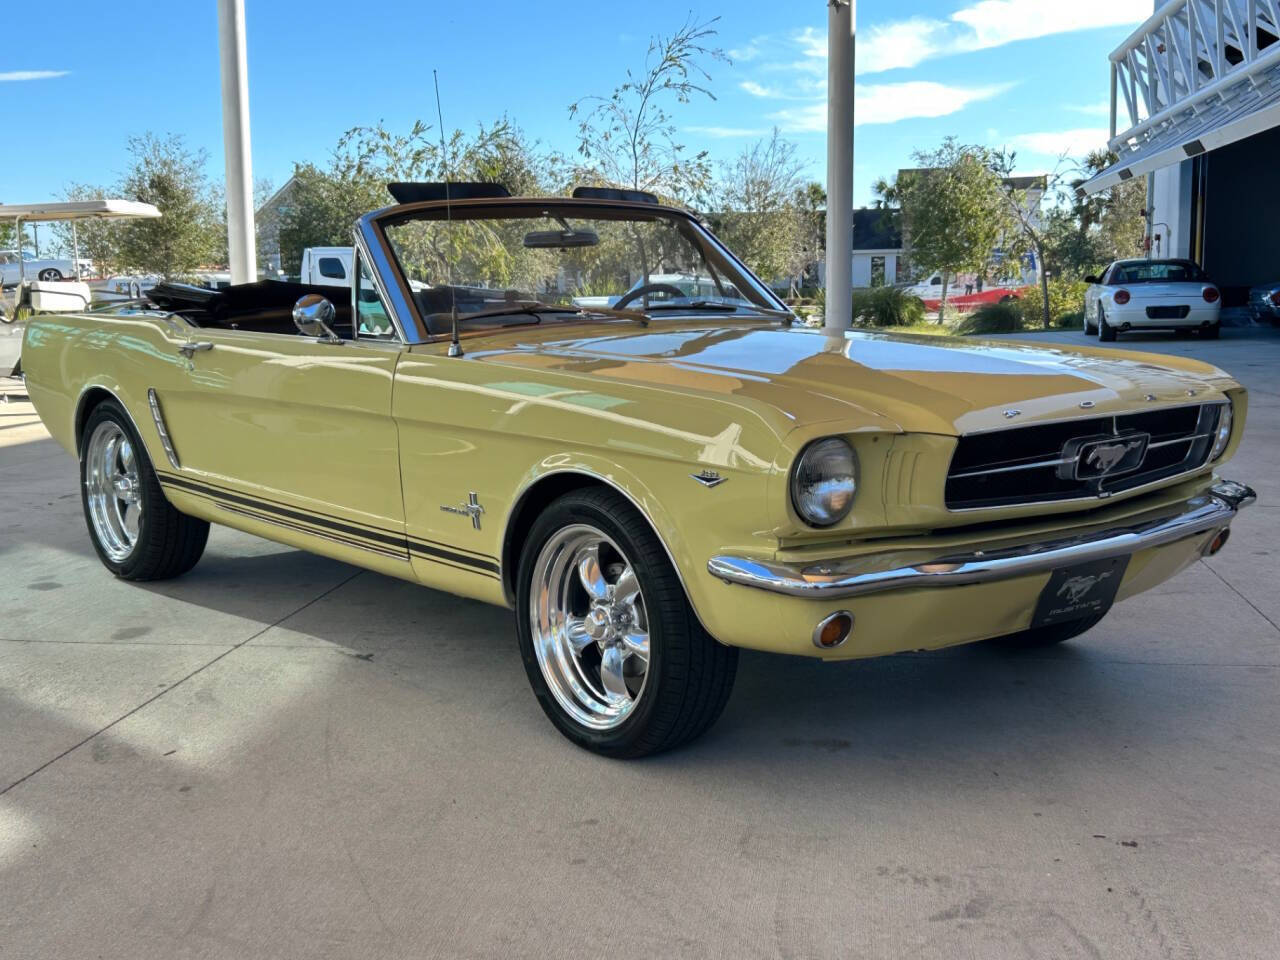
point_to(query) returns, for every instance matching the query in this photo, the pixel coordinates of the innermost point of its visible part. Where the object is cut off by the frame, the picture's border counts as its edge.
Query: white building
(1195, 107)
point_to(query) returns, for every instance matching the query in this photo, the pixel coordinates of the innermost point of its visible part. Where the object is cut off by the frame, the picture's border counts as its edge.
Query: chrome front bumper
(878, 573)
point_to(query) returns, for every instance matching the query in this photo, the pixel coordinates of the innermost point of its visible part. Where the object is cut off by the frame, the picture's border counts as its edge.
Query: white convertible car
(38, 269)
(1151, 295)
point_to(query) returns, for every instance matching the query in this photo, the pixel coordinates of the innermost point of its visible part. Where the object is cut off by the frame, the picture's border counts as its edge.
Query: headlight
(1222, 436)
(824, 481)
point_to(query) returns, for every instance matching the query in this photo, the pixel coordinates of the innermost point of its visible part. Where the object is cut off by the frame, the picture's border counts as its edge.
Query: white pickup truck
(327, 266)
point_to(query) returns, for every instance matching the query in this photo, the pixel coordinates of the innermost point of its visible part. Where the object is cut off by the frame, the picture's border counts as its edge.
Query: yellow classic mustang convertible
(587, 409)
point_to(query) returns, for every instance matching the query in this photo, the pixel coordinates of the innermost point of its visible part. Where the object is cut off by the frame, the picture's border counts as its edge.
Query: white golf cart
(29, 294)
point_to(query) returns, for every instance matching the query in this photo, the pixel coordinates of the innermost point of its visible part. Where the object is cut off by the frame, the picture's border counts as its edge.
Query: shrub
(992, 318)
(886, 307)
(1066, 299)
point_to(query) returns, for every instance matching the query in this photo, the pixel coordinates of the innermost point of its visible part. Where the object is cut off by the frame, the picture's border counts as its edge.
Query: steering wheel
(648, 288)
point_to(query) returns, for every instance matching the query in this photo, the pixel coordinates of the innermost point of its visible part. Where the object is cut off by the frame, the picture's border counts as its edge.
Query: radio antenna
(455, 345)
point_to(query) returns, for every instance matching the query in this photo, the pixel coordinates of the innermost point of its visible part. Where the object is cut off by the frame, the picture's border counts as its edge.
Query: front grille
(1038, 464)
(1168, 313)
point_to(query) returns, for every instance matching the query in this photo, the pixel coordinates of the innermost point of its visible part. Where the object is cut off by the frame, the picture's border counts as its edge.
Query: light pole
(241, 247)
(841, 20)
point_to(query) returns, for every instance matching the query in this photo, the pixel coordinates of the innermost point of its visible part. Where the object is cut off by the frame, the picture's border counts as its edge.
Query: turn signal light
(1122, 297)
(833, 631)
(1218, 542)
(1211, 294)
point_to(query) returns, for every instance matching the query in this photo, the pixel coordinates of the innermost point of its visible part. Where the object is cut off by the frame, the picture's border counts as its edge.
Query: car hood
(919, 384)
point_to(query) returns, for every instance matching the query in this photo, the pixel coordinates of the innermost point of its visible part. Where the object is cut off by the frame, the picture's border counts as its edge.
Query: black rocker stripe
(372, 535)
(426, 549)
(437, 552)
(335, 537)
(447, 547)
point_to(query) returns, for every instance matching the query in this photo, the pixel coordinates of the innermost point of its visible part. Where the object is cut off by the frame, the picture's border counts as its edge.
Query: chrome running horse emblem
(1077, 588)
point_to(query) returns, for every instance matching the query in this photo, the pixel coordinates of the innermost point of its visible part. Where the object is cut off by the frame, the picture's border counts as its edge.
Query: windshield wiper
(697, 305)
(534, 307)
(722, 307)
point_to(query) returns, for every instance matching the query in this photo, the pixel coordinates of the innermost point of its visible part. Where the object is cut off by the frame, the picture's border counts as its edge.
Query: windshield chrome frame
(385, 267)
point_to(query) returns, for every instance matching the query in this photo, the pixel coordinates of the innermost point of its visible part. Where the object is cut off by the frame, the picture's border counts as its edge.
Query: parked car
(664, 288)
(34, 268)
(1151, 295)
(649, 490)
(1264, 302)
(931, 289)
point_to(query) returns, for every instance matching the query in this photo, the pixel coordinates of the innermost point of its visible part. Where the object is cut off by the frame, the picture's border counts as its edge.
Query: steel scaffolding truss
(1198, 74)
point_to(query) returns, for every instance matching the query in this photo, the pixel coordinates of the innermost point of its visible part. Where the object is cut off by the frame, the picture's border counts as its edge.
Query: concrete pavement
(281, 756)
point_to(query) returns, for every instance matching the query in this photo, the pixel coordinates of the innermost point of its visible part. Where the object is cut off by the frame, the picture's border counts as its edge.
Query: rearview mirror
(1092, 279)
(313, 315)
(560, 239)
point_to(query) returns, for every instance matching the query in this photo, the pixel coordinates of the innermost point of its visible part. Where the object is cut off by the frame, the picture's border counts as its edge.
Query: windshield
(1158, 271)
(569, 259)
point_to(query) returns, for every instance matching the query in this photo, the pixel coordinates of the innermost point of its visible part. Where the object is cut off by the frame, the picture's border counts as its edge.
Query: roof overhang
(79, 210)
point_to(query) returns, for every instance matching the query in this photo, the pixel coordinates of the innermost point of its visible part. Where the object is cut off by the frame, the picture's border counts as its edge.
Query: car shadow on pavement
(921, 709)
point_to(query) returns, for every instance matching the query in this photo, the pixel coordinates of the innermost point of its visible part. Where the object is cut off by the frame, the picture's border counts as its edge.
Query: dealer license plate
(1079, 592)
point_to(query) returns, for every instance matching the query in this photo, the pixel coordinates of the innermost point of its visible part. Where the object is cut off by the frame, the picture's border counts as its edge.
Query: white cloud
(982, 25)
(1102, 109)
(1056, 143)
(727, 132)
(16, 75)
(878, 103)
(904, 43)
(750, 51)
(759, 90)
(993, 23)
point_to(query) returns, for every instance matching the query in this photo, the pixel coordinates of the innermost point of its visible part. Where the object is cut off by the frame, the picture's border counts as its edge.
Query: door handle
(191, 348)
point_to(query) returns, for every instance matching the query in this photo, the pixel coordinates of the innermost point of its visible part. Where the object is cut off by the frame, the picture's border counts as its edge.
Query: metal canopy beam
(841, 21)
(241, 246)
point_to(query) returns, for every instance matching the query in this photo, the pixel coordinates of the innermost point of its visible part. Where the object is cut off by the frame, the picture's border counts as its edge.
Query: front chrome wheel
(590, 626)
(113, 491)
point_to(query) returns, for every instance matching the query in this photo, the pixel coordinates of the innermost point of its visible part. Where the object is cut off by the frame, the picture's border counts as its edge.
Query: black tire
(49, 273)
(169, 543)
(690, 675)
(1106, 332)
(1211, 333)
(1039, 637)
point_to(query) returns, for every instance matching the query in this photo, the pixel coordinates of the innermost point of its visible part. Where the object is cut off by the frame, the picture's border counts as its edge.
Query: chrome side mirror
(313, 315)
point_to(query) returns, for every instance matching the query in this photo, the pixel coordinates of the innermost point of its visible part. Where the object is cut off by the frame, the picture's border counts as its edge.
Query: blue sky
(1031, 74)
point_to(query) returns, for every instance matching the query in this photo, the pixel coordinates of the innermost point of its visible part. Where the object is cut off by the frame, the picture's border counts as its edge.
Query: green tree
(188, 235)
(628, 137)
(1084, 234)
(98, 240)
(758, 212)
(326, 203)
(954, 210)
(1025, 212)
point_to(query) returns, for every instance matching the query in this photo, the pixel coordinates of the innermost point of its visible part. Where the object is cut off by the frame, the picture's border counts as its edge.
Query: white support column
(841, 20)
(241, 246)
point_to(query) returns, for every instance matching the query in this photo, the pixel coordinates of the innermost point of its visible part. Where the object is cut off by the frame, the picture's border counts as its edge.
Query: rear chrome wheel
(112, 490)
(590, 627)
(136, 531)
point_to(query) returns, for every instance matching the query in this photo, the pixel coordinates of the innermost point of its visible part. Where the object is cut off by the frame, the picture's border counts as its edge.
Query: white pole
(235, 135)
(841, 17)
